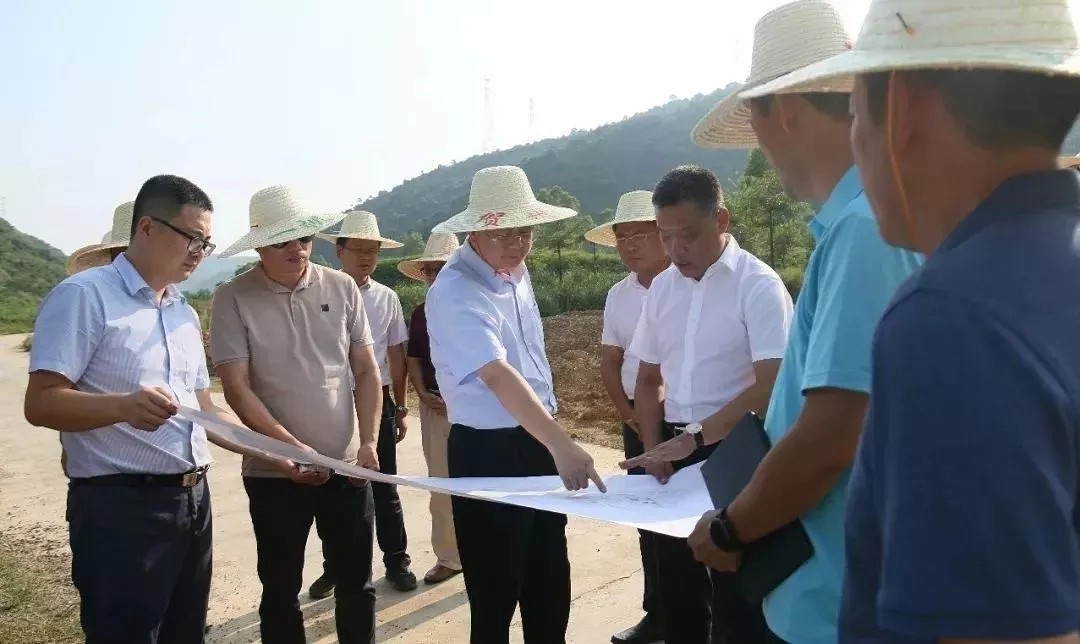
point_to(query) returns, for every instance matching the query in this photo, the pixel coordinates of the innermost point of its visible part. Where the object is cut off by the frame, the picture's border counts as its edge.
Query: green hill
(596, 166)
(28, 269)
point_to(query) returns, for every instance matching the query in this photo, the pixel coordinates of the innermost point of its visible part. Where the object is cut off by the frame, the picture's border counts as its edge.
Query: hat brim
(727, 125)
(384, 242)
(1069, 162)
(91, 255)
(534, 214)
(411, 267)
(283, 231)
(604, 234)
(831, 74)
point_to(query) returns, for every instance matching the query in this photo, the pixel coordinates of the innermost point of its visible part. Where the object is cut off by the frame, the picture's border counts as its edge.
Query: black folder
(770, 560)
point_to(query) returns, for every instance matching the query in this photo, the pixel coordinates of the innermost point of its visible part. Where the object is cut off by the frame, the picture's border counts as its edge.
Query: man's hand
(662, 470)
(367, 458)
(401, 425)
(675, 449)
(576, 467)
(148, 408)
(291, 469)
(434, 403)
(705, 551)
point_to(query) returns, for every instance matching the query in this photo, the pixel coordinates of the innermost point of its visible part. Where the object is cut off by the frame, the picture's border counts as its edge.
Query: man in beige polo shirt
(288, 339)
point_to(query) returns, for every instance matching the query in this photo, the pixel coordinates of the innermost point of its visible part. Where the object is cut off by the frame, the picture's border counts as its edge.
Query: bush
(793, 277)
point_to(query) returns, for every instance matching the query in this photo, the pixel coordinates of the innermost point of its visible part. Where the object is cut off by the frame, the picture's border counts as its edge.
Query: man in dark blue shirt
(962, 517)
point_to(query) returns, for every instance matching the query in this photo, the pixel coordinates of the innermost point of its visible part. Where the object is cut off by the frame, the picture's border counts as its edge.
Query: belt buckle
(189, 479)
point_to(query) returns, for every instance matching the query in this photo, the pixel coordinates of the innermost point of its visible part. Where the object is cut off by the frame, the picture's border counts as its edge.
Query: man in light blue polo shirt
(816, 412)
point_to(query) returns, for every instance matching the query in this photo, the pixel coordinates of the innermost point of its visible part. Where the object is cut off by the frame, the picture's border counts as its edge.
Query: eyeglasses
(509, 237)
(637, 238)
(306, 239)
(430, 271)
(196, 244)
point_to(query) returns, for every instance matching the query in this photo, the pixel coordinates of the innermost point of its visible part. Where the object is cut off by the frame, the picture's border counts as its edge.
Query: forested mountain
(28, 269)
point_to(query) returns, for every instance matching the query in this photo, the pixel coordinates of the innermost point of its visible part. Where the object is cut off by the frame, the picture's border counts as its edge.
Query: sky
(337, 99)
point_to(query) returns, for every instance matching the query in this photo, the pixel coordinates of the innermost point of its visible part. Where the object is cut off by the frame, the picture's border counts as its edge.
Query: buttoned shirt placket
(693, 321)
(176, 382)
(522, 330)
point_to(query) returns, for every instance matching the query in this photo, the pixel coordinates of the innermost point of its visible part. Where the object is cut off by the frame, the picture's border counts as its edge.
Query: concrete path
(604, 558)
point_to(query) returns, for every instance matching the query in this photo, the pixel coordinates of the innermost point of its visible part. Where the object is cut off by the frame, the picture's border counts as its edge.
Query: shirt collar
(844, 192)
(311, 276)
(1024, 195)
(135, 284)
(495, 281)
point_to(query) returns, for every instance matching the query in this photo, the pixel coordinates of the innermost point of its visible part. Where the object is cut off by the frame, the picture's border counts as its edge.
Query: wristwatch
(402, 411)
(723, 534)
(694, 429)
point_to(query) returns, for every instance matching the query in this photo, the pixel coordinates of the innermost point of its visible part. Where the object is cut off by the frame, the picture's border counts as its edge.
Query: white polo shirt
(387, 322)
(706, 335)
(621, 312)
(475, 317)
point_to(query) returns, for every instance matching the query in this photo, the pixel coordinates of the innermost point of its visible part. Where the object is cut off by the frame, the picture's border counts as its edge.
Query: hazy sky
(340, 99)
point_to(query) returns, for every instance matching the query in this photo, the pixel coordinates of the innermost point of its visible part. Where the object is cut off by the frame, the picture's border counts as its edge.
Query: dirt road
(604, 558)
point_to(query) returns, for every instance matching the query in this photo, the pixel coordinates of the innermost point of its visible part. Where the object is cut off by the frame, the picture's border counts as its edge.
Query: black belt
(185, 479)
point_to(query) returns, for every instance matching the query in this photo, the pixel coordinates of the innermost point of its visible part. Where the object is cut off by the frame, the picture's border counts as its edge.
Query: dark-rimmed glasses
(306, 239)
(196, 245)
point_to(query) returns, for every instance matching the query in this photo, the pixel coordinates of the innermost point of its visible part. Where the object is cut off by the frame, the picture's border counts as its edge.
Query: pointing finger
(600, 485)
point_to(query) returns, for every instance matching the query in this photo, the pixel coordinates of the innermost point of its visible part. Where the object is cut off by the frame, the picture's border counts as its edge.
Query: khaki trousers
(435, 430)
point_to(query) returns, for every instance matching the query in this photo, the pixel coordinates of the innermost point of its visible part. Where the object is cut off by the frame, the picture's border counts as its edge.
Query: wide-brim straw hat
(1036, 36)
(361, 224)
(100, 254)
(501, 197)
(277, 214)
(785, 39)
(1069, 162)
(635, 205)
(438, 248)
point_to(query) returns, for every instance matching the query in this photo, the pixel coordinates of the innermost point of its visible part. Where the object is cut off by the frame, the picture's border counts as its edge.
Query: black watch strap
(723, 533)
(699, 439)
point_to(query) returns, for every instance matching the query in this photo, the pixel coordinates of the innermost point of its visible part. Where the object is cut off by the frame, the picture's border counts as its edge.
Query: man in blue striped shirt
(116, 350)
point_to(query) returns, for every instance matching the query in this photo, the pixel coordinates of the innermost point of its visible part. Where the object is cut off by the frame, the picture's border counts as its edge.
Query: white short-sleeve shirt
(706, 335)
(622, 309)
(475, 317)
(387, 322)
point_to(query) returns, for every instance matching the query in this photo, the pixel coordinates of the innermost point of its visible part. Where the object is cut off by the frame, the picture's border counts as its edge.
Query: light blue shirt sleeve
(859, 275)
(68, 328)
(465, 333)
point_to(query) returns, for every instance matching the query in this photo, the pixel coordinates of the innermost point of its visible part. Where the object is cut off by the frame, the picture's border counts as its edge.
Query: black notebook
(770, 560)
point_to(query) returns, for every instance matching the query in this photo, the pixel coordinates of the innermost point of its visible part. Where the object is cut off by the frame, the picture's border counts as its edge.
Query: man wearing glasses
(289, 338)
(116, 350)
(487, 345)
(358, 243)
(636, 238)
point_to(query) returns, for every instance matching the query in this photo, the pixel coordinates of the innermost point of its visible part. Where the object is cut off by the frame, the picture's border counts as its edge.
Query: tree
(562, 235)
(413, 245)
(766, 221)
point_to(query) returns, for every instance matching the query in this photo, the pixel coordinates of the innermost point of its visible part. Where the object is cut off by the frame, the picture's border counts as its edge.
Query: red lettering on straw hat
(489, 219)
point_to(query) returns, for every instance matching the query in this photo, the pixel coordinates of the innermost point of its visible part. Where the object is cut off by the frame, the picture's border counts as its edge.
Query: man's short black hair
(998, 110)
(689, 183)
(163, 197)
(836, 105)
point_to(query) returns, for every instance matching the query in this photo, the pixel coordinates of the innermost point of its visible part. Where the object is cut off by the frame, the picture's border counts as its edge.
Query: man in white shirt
(710, 337)
(636, 238)
(358, 244)
(487, 345)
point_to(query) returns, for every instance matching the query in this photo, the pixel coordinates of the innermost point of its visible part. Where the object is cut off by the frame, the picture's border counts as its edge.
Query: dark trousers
(141, 561)
(510, 556)
(281, 514)
(389, 519)
(632, 447)
(699, 605)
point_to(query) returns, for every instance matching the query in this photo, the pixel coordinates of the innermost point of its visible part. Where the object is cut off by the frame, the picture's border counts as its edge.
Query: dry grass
(37, 600)
(573, 348)
(27, 343)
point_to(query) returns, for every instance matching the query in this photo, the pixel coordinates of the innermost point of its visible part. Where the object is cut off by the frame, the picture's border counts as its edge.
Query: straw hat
(635, 205)
(785, 39)
(501, 197)
(276, 214)
(360, 224)
(439, 248)
(1069, 162)
(93, 255)
(1037, 36)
